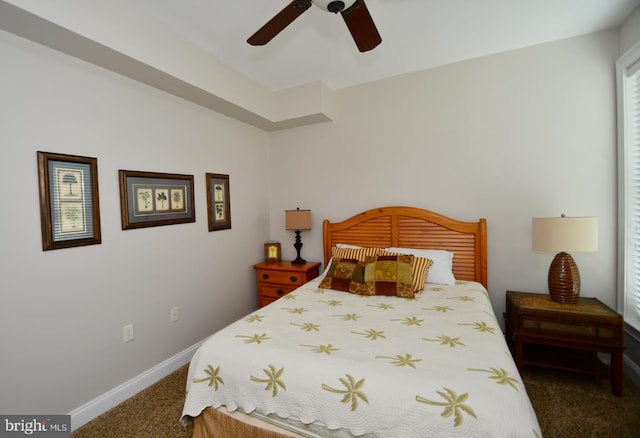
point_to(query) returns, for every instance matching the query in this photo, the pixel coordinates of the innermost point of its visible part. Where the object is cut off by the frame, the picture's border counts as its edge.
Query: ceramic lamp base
(564, 279)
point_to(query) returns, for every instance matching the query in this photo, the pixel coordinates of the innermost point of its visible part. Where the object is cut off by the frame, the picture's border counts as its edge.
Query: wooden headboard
(410, 227)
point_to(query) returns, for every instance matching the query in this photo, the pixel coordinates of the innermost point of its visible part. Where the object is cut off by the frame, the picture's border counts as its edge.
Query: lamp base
(564, 279)
(298, 261)
(298, 246)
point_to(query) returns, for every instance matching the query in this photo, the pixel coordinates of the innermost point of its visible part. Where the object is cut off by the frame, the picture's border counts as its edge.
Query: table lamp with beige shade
(564, 234)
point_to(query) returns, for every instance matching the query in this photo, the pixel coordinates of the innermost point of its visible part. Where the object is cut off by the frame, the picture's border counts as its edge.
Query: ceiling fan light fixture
(334, 6)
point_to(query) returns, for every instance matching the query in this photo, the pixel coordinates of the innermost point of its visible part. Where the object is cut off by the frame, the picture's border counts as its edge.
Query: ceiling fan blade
(361, 25)
(281, 20)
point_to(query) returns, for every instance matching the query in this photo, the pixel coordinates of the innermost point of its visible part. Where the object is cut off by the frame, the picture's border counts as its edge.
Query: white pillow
(441, 271)
(344, 245)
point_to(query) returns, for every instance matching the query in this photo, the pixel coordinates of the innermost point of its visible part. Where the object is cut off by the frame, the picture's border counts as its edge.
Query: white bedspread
(376, 366)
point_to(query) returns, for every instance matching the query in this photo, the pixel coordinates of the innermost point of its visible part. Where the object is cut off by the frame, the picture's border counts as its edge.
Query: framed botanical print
(218, 201)
(69, 206)
(150, 199)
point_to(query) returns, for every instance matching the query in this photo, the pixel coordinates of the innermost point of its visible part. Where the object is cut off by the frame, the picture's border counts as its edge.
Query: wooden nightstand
(277, 279)
(565, 336)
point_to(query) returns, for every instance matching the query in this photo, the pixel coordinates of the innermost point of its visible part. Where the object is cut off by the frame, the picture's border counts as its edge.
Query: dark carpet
(567, 406)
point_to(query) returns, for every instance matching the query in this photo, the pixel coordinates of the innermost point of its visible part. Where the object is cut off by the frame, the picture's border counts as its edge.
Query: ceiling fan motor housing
(334, 6)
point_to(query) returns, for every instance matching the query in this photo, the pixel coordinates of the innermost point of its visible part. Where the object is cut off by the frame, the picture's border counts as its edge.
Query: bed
(367, 359)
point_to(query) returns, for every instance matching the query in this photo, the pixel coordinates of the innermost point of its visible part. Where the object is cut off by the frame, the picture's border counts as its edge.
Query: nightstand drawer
(541, 325)
(277, 279)
(275, 291)
(280, 277)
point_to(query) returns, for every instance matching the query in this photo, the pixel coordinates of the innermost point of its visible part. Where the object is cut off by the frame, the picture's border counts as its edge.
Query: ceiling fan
(355, 14)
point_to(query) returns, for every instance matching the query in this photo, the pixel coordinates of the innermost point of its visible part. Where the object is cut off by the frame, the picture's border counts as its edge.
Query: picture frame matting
(151, 199)
(69, 201)
(218, 201)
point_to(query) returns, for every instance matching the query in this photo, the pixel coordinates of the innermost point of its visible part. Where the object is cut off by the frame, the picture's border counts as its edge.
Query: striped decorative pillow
(355, 253)
(420, 270)
(441, 271)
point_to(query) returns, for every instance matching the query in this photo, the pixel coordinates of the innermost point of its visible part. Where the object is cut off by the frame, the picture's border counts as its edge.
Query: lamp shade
(570, 234)
(298, 219)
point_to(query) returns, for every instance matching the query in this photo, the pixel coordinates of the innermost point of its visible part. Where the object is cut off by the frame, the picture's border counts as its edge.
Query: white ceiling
(416, 34)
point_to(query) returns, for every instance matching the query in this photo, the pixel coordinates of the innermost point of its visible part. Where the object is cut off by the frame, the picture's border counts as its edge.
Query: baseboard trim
(117, 395)
(632, 370)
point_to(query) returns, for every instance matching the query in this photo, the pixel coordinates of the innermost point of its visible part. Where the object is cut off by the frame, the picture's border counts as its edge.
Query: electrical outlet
(175, 314)
(127, 331)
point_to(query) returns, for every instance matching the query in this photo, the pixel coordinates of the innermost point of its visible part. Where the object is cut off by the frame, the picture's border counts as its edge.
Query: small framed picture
(69, 207)
(150, 199)
(218, 201)
(272, 252)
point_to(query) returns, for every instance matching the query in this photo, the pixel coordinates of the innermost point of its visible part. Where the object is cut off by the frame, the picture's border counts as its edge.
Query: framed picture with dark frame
(69, 205)
(151, 199)
(272, 252)
(218, 202)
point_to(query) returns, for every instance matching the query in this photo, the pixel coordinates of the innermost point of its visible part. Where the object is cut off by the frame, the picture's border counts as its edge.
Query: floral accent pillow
(389, 275)
(345, 274)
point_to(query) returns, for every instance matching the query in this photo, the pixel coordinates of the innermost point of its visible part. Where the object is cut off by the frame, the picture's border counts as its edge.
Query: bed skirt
(220, 423)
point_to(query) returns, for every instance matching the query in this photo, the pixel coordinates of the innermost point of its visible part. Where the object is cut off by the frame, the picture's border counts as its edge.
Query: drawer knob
(265, 276)
(280, 292)
(293, 279)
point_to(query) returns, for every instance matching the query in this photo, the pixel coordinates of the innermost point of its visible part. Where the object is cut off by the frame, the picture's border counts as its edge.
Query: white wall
(630, 31)
(63, 311)
(508, 137)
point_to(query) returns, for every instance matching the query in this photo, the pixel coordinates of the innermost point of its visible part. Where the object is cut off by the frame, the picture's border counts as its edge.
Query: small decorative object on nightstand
(277, 279)
(576, 234)
(272, 252)
(565, 337)
(298, 220)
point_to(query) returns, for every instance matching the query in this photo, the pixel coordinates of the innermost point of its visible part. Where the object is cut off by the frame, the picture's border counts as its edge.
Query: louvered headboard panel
(410, 227)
